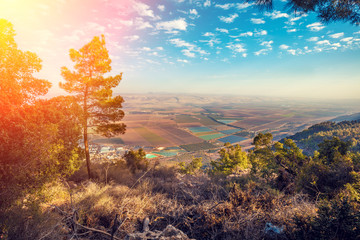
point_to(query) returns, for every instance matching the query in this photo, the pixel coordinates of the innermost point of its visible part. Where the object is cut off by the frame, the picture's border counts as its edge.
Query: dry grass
(202, 207)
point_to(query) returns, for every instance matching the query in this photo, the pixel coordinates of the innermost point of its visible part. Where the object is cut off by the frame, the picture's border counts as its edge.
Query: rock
(169, 233)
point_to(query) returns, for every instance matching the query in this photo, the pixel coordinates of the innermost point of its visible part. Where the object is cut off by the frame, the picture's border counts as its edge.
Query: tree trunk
(86, 143)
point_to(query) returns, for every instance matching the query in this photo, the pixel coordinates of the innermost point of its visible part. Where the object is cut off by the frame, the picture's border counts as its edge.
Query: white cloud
(357, 32)
(283, 46)
(132, 38)
(237, 48)
(323, 42)
(222, 30)
(267, 43)
(246, 34)
(261, 33)
(169, 26)
(161, 7)
(336, 35)
(347, 39)
(147, 49)
(336, 45)
(183, 60)
(95, 26)
(225, 6)
(261, 52)
(188, 53)
(143, 10)
(229, 19)
(276, 14)
(291, 30)
(257, 20)
(244, 55)
(190, 50)
(207, 3)
(243, 5)
(193, 11)
(292, 51)
(313, 39)
(208, 34)
(141, 24)
(315, 27)
(160, 48)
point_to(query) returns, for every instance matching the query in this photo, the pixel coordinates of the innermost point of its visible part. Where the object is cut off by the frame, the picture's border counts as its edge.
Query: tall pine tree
(100, 110)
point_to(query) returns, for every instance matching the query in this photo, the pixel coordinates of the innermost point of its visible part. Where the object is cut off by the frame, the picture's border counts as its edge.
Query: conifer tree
(93, 91)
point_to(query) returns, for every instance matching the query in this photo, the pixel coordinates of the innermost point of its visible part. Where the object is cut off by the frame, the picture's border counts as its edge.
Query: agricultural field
(197, 123)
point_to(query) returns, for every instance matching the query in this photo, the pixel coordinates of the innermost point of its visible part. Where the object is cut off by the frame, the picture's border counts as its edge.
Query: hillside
(309, 139)
(351, 117)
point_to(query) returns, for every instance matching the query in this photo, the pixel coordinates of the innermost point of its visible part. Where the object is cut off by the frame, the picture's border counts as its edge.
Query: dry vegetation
(200, 206)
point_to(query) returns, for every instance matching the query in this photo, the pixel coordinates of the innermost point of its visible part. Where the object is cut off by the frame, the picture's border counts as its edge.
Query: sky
(195, 46)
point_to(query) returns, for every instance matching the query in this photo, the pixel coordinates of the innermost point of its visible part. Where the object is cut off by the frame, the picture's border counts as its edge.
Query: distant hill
(351, 117)
(309, 139)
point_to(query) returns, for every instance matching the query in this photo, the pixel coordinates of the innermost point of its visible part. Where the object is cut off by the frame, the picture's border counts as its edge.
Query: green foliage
(262, 157)
(136, 160)
(309, 139)
(232, 159)
(191, 168)
(38, 138)
(337, 219)
(329, 171)
(94, 92)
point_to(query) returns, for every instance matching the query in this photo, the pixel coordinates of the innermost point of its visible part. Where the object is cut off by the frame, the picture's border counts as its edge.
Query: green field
(151, 137)
(198, 146)
(108, 141)
(211, 136)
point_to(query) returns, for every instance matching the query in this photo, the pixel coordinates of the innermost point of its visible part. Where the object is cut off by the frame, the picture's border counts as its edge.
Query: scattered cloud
(193, 11)
(229, 19)
(208, 34)
(284, 47)
(190, 49)
(276, 14)
(267, 44)
(143, 10)
(207, 3)
(183, 60)
(170, 26)
(336, 35)
(141, 24)
(323, 42)
(292, 51)
(188, 53)
(237, 48)
(315, 27)
(161, 7)
(226, 6)
(347, 39)
(132, 38)
(313, 39)
(243, 5)
(291, 30)
(222, 30)
(257, 20)
(261, 52)
(260, 32)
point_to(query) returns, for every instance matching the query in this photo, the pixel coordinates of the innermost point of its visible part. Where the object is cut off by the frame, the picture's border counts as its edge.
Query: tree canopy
(326, 10)
(100, 110)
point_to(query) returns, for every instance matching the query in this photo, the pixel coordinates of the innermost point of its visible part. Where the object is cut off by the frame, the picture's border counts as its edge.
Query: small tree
(194, 166)
(136, 160)
(231, 159)
(93, 91)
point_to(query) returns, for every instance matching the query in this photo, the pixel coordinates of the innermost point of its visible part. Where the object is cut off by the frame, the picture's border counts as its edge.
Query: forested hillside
(309, 139)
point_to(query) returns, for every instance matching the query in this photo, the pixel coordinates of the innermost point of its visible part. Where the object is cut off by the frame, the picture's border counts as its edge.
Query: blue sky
(196, 46)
